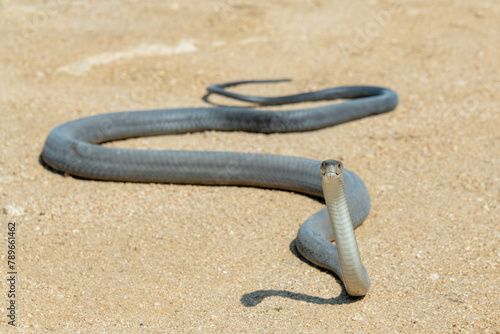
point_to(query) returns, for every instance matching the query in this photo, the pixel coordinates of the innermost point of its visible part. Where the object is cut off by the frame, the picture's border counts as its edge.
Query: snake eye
(323, 168)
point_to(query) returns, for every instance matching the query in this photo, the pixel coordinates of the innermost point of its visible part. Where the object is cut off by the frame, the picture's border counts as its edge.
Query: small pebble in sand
(13, 210)
(434, 276)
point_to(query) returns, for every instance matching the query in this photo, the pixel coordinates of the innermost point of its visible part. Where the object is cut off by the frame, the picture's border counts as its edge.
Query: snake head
(331, 168)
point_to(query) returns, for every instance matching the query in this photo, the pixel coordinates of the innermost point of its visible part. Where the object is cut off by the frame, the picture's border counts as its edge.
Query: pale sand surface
(98, 257)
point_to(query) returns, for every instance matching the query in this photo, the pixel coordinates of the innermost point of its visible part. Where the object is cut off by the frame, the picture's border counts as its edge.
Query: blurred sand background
(98, 257)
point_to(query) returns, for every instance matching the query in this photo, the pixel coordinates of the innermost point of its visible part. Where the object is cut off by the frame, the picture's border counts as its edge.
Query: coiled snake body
(74, 148)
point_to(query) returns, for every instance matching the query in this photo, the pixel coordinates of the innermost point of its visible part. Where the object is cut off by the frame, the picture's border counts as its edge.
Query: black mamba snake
(73, 147)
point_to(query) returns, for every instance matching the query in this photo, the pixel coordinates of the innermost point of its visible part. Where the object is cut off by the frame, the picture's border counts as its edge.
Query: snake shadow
(206, 98)
(49, 168)
(253, 299)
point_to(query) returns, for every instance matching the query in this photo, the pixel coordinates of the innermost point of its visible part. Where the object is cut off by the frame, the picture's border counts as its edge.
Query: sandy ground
(121, 257)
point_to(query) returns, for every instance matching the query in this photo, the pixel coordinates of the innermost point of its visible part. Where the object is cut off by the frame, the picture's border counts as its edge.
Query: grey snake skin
(73, 148)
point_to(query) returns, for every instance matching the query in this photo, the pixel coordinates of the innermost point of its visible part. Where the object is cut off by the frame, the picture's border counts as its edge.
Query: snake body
(73, 148)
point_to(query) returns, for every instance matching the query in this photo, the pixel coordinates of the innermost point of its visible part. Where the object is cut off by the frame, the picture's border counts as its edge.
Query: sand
(96, 257)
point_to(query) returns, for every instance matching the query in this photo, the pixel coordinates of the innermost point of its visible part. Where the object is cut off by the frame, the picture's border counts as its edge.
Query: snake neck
(353, 273)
